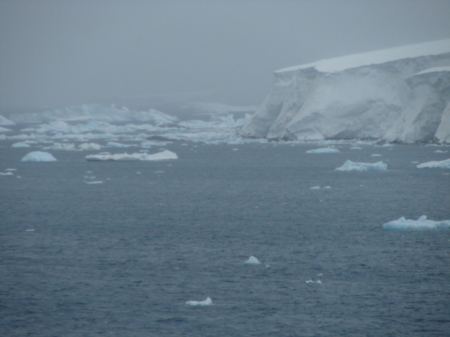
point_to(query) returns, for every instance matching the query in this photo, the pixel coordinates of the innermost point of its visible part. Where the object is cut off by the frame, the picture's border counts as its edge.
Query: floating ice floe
(3, 130)
(324, 150)
(376, 155)
(20, 144)
(327, 188)
(315, 188)
(5, 121)
(311, 281)
(89, 146)
(38, 156)
(355, 148)
(116, 145)
(440, 151)
(444, 164)
(94, 182)
(208, 301)
(421, 224)
(6, 173)
(252, 260)
(164, 155)
(362, 167)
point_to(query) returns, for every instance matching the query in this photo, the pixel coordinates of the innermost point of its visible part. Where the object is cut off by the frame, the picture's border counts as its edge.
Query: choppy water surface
(121, 258)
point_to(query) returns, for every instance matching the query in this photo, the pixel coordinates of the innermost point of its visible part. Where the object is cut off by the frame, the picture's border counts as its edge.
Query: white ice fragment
(311, 281)
(116, 145)
(355, 148)
(164, 155)
(327, 188)
(208, 301)
(20, 144)
(11, 169)
(376, 155)
(94, 182)
(38, 156)
(315, 188)
(440, 151)
(421, 224)
(362, 167)
(324, 150)
(5, 121)
(89, 146)
(6, 173)
(30, 230)
(252, 260)
(444, 164)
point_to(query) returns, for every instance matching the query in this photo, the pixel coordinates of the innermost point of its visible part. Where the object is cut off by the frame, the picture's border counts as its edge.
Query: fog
(56, 53)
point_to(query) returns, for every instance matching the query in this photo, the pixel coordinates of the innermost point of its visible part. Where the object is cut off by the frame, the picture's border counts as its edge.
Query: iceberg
(421, 224)
(94, 111)
(5, 121)
(362, 167)
(164, 155)
(208, 301)
(324, 150)
(396, 94)
(252, 260)
(443, 164)
(38, 156)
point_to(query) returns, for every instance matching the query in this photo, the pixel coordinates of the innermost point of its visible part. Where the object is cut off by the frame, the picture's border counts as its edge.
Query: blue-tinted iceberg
(421, 224)
(38, 156)
(444, 164)
(362, 167)
(164, 155)
(324, 150)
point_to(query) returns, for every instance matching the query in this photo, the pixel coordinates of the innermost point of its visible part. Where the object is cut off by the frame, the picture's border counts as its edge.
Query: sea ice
(315, 188)
(362, 167)
(421, 224)
(208, 301)
(89, 146)
(324, 150)
(376, 155)
(20, 144)
(38, 156)
(252, 260)
(444, 164)
(94, 182)
(164, 155)
(311, 281)
(3, 130)
(5, 121)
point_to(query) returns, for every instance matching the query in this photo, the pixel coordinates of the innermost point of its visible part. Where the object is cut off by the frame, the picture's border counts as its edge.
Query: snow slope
(383, 94)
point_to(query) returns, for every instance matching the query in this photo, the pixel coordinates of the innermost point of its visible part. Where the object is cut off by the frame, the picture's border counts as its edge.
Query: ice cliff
(398, 94)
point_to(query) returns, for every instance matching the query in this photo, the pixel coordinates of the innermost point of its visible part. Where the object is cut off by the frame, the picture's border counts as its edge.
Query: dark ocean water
(121, 258)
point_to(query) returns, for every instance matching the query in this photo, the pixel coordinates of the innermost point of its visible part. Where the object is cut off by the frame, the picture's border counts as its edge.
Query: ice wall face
(370, 95)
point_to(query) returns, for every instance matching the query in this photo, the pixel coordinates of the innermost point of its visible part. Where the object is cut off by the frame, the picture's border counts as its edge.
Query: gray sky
(64, 52)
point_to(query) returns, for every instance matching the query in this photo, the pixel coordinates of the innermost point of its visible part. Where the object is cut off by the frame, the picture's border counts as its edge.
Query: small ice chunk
(94, 182)
(208, 301)
(362, 167)
(116, 145)
(252, 260)
(30, 230)
(6, 173)
(38, 156)
(444, 164)
(89, 146)
(327, 188)
(355, 148)
(20, 144)
(440, 151)
(311, 281)
(421, 224)
(376, 155)
(315, 188)
(324, 150)
(11, 169)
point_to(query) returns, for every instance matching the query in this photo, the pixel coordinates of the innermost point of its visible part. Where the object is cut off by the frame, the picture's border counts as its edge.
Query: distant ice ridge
(94, 111)
(208, 301)
(38, 156)
(362, 167)
(164, 155)
(5, 121)
(252, 260)
(324, 150)
(421, 224)
(397, 94)
(444, 164)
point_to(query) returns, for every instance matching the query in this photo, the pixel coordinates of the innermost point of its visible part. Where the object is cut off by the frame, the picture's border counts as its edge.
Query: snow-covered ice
(164, 155)
(208, 301)
(252, 260)
(443, 164)
(38, 156)
(421, 224)
(324, 150)
(362, 167)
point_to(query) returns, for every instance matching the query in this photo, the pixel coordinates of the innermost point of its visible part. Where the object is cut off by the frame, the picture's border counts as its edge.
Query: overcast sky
(66, 52)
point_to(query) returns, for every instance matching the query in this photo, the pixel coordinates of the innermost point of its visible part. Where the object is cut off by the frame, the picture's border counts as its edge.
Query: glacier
(399, 94)
(421, 224)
